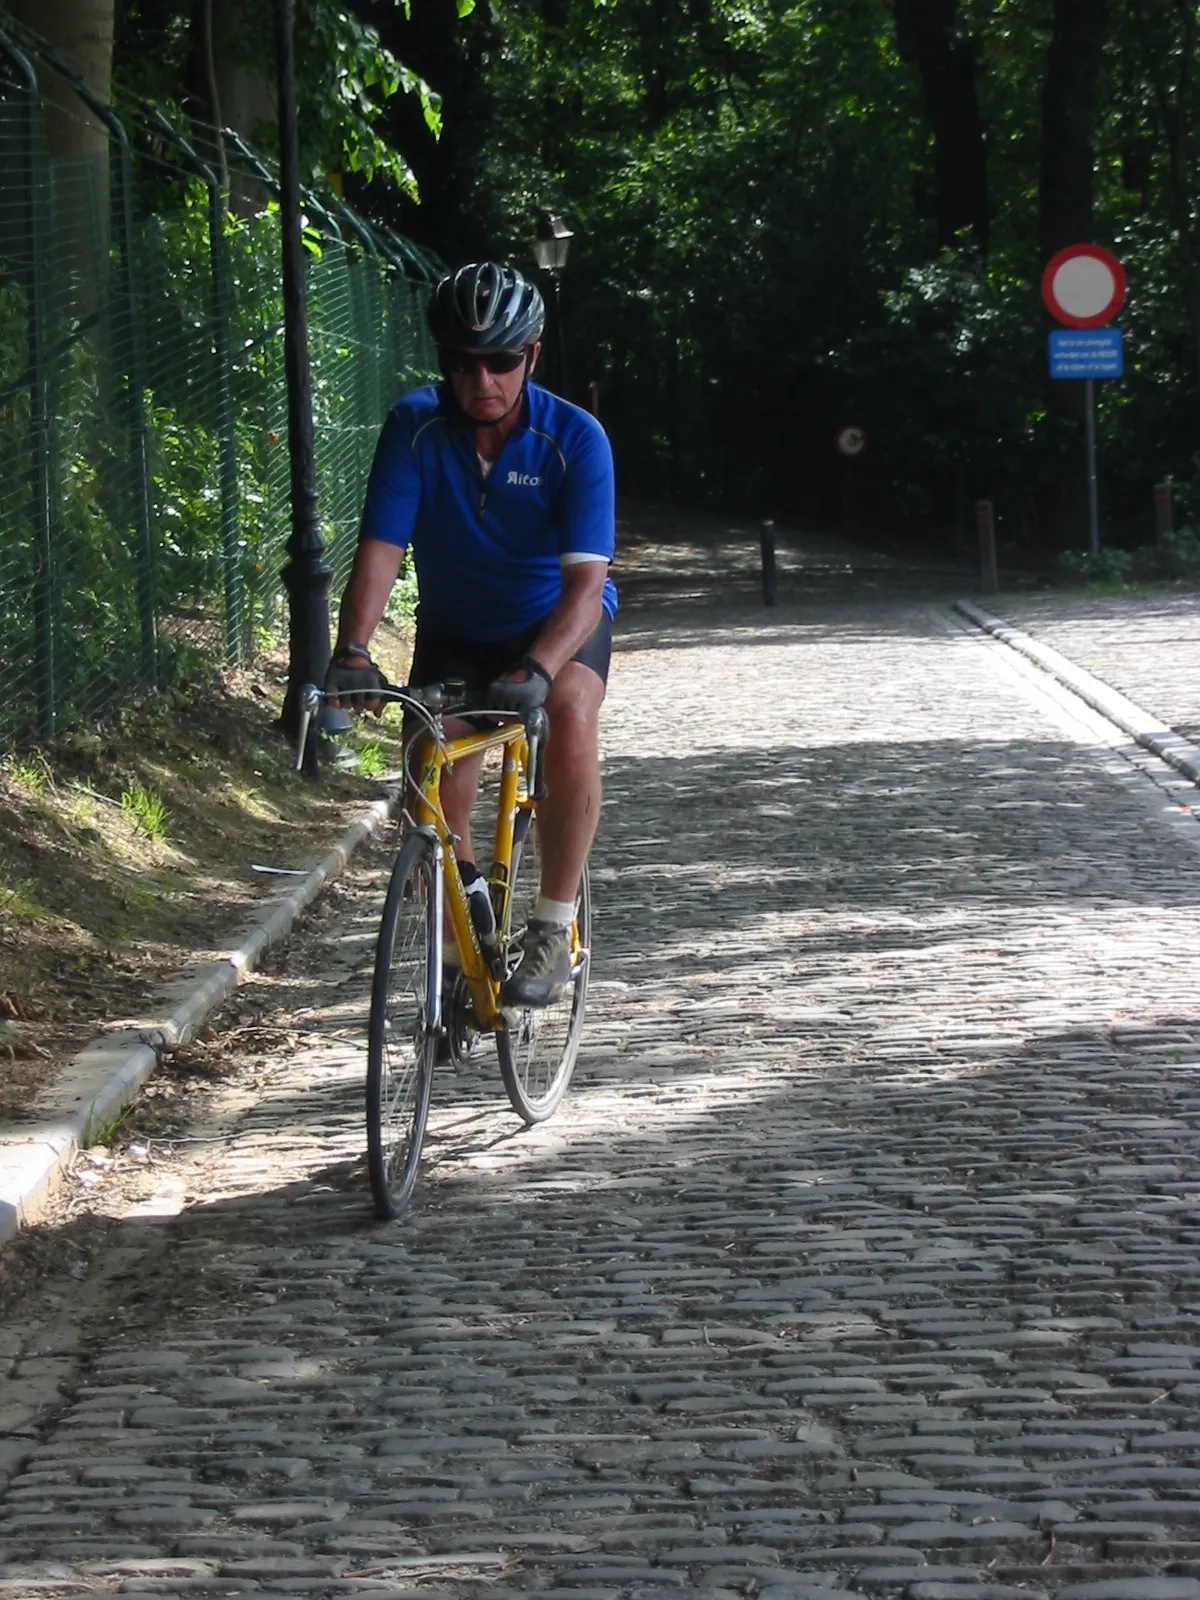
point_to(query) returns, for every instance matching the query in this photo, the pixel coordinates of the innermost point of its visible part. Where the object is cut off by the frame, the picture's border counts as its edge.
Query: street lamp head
(552, 243)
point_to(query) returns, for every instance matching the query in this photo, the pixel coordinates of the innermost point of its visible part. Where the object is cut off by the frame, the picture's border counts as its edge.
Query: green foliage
(32, 775)
(401, 606)
(1105, 567)
(370, 760)
(18, 903)
(99, 1135)
(1179, 553)
(345, 76)
(1174, 555)
(345, 115)
(147, 810)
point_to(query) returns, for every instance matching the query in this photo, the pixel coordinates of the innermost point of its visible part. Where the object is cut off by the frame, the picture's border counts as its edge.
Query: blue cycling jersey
(489, 552)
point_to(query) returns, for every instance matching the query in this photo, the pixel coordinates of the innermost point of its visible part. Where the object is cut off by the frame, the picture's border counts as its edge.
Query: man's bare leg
(570, 813)
(567, 820)
(457, 797)
(459, 787)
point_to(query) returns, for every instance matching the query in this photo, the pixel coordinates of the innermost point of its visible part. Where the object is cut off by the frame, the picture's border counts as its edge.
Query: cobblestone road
(863, 1258)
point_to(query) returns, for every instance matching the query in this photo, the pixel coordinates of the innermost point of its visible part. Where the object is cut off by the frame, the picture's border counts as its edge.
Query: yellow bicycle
(417, 1019)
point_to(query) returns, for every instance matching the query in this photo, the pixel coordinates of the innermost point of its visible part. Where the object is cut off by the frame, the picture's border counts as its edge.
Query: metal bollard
(985, 521)
(766, 539)
(1164, 509)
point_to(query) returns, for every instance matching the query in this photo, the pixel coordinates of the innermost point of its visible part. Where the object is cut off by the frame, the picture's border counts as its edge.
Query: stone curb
(1138, 723)
(105, 1077)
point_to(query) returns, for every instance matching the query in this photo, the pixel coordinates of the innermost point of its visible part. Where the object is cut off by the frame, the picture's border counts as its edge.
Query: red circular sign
(851, 441)
(1083, 286)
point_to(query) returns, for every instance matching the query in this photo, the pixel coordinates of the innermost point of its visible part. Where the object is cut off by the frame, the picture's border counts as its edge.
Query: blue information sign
(1086, 353)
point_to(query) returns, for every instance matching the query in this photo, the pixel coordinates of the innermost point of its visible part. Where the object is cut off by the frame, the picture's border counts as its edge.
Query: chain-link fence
(144, 502)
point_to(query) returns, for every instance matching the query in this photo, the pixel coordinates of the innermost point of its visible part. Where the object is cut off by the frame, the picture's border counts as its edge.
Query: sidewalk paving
(863, 1258)
(1147, 646)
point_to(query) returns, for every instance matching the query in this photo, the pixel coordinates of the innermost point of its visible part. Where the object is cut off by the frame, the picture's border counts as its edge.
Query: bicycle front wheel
(402, 1042)
(537, 1047)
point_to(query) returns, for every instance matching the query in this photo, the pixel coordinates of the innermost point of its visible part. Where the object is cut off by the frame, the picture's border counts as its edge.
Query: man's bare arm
(574, 617)
(376, 568)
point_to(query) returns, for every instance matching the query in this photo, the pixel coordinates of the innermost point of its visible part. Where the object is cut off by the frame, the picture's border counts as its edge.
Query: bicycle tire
(537, 1047)
(401, 1044)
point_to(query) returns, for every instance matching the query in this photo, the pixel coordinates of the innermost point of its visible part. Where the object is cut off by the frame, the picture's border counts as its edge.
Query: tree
(81, 32)
(1069, 104)
(930, 34)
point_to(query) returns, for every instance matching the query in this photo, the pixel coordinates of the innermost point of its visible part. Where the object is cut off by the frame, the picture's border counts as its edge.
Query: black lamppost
(307, 574)
(550, 252)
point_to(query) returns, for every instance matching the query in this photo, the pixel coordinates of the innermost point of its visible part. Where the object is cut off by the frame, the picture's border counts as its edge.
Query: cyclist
(505, 493)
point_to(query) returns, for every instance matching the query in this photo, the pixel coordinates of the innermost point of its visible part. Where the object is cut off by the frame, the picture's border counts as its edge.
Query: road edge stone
(1130, 717)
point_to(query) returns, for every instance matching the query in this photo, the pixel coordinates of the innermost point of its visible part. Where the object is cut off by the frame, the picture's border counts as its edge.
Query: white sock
(560, 912)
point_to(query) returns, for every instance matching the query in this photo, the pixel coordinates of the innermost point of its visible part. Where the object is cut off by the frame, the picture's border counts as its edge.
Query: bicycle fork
(434, 977)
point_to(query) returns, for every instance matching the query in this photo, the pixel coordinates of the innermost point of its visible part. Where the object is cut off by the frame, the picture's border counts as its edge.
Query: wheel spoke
(400, 1054)
(537, 1048)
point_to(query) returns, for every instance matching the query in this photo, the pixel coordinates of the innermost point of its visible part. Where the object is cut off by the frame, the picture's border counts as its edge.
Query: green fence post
(39, 421)
(226, 435)
(143, 514)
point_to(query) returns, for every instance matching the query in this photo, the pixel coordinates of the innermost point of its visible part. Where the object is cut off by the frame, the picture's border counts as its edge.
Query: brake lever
(537, 731)
(310, 704)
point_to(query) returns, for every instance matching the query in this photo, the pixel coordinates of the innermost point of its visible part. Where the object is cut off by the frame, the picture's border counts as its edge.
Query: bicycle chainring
(458, 1019)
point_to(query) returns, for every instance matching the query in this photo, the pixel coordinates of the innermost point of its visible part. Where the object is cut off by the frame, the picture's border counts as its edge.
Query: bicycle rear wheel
(537, 1047)
(402, 1043)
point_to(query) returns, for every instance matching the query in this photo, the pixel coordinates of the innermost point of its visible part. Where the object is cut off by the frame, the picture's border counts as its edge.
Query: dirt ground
(41, 1267)
(128, 850)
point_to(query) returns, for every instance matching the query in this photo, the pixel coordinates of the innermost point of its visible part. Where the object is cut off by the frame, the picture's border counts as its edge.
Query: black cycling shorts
(438, 657)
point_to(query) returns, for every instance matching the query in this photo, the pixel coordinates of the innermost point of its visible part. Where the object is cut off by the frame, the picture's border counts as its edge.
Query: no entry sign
(1083, 286)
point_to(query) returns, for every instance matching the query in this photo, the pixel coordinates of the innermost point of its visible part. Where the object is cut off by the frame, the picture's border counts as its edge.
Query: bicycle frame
(428, 816)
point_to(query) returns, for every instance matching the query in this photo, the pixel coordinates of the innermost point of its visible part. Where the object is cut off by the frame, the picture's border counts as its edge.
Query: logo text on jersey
(524, 479)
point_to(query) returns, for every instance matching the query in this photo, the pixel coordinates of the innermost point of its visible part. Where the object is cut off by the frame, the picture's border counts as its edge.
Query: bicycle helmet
(485, 306)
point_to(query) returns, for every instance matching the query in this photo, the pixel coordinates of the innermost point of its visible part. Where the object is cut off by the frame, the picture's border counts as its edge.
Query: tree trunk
(929, 36)
(229, 84)
(245, 89)
(1068, 121)
(82, 33)
(658, 50)
(77, 142)
(1065, 216)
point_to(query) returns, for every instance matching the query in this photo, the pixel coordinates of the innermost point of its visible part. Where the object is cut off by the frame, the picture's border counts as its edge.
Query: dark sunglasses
(464, 362)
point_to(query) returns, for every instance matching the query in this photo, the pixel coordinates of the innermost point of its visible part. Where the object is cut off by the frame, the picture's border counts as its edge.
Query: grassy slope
(98, 907)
